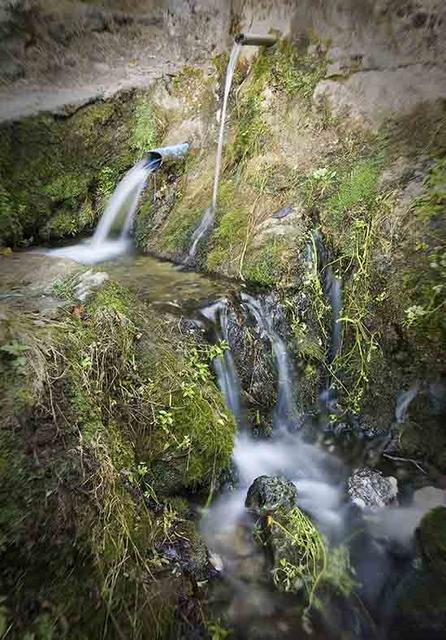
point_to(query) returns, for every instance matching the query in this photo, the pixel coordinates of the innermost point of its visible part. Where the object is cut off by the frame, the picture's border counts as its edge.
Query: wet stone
(269, 494)
(369, 489)
(89, 282)
(282, 213)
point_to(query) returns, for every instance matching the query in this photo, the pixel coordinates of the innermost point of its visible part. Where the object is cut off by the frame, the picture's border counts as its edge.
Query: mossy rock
(431, 541)
(266, 495)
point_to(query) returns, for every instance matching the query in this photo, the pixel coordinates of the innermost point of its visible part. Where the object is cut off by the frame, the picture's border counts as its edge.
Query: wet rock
(282, 213)
(419, 610)
(252, 358)
(192, 327)
(369, 489)
(431, 541)
(89, 282)
(268, 494)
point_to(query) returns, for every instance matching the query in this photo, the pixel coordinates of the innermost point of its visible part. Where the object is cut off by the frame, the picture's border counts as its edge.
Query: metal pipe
(155, 157)
(255, 40)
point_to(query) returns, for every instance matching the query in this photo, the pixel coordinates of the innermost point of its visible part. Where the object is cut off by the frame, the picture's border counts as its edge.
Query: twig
(398, 459)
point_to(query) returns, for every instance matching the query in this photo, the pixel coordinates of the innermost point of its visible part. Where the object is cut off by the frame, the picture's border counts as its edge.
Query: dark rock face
(369, 489)
(252, 358)
(252, 351)
(420, 610)
(269, 494)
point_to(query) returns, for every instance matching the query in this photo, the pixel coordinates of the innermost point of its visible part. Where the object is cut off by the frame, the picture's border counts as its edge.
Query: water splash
(207, 220)
(205, 225)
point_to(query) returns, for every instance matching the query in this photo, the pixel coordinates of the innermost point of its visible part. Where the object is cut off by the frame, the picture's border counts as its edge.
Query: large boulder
(268, 495)
(369, 489)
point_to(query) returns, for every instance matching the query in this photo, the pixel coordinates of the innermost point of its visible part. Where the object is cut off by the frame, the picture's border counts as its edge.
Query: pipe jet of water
(102, 245)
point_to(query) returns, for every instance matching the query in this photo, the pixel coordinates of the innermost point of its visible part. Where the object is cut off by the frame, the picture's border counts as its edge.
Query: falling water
(332, 288)
(126, 194)
(103, 245)
(208, 217)
(206, 223)
(224, 365)
(229, 75)
(317, 475)
(285, 409)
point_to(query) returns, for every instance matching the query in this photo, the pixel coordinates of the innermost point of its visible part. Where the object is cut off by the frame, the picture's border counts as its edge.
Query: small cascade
(285, 412)
(207, 220)
(321, 479)
(205, 225)
(332, 288)
(318, 476)
(126, 196)
(227, 378)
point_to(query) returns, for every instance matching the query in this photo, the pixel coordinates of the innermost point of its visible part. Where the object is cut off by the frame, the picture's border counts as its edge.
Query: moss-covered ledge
(95, 403)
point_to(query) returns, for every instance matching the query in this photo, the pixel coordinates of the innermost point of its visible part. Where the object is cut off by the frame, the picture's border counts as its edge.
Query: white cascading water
(207, 220)
(224, 366)
(319, 476)
(122, 205)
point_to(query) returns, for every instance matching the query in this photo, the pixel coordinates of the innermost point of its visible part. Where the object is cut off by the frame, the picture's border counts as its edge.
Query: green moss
(145, 131)
(193, 199)
(58, 168)
(227, 241)
(426, 272)
(270, 265)
(303, 561)
(10, 226)
(356, 192)
(73, 474)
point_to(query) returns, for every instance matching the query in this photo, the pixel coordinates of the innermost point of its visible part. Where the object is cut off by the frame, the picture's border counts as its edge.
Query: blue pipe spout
(155, 157)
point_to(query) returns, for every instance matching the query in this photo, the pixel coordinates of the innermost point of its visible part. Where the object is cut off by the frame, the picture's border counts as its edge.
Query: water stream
(207, 220)
(307, 456)
(310, 460)
(119, 213)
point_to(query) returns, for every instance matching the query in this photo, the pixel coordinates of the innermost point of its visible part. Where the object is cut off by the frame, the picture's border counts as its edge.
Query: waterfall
(224, 367)
(207, 220)
(126, 195)
(284, 415)
(317, 475)
(104, 245)
(332, 288)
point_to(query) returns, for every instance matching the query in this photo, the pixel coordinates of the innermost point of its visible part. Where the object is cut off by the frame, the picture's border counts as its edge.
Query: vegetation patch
(303, 561)
(95, 403)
